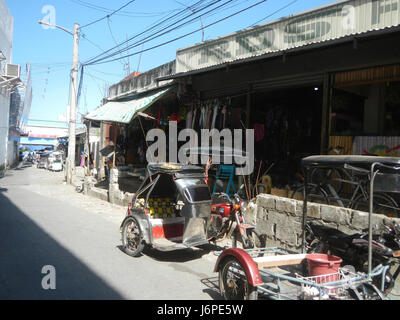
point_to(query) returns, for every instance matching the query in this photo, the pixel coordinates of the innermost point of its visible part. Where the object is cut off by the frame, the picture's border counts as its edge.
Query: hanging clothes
(189, 117)
(214, 118)
(202, 120)
(258, 132)
(194, 118)
(224, 115)
(236, 118)
(209, 113)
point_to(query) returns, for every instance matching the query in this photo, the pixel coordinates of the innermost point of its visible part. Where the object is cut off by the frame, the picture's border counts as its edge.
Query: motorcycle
(227, 218)
(353, 249)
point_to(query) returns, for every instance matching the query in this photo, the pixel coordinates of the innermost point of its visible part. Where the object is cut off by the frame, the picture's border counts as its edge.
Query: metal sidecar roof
(173, 168)
(339, 161)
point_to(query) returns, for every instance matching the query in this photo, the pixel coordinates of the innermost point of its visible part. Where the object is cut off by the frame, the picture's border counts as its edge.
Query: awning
(124, 111)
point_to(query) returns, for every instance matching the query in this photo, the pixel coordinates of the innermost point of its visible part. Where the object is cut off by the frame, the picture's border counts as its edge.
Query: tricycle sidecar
(284, 275)
(169, 211)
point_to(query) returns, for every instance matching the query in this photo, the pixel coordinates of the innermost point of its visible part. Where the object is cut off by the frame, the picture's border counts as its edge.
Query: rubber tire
(315, 177)
(384, 199)
(250, 232)
(250, 291)
(139, 239)
(316, 192)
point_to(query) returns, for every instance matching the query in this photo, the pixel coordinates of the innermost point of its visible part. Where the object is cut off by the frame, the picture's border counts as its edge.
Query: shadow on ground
(212, 288)
(25, 249)
(180, 256)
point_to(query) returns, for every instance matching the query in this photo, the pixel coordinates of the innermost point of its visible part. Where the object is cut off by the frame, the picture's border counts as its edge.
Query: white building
(15, 94)
(6, 34)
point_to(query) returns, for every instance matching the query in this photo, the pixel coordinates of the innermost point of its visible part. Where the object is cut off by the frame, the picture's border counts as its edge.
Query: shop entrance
(287, 124)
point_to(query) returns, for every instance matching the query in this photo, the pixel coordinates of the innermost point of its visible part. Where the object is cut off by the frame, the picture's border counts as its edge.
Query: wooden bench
(280, 260)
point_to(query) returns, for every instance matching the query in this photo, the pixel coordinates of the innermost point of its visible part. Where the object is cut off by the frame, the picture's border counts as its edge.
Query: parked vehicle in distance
(42, 160)
(54, 160)
(56, 165)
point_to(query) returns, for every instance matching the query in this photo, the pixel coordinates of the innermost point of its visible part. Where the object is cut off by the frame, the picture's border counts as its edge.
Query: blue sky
(50, 50)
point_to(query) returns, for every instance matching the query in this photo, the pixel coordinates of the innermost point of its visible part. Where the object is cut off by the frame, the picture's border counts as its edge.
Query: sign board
(326, 23)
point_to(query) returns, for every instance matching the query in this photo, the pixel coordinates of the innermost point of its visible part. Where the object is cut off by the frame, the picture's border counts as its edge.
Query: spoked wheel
(383, 204)
(254, 240)
(132, 239)
(315, 194)
(233, 282)
(332, 176)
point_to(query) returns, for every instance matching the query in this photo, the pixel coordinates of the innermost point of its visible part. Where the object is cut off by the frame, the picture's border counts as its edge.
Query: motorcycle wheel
(233, 282)
(254, 241)
(132, 239)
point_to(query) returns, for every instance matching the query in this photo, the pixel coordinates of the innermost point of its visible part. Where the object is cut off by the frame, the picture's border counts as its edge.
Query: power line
(275, 12)
(112, 36)
(157, 33)
(151, 27)
(101, 61)
(109, 15)
(121, 13)
(94, 44)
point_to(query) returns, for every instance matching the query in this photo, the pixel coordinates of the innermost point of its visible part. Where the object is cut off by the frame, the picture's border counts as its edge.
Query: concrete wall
(113, 194)
(6, 35)
(4, 116)
(143, 82)
(280, 219)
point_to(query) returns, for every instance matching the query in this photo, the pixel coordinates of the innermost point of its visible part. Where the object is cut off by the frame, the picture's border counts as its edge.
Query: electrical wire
(102, 61)
(94, 44)
(115, 41)
(109, 15)
(121, 13)
(165, 31)
(153, 26)
(275, 12)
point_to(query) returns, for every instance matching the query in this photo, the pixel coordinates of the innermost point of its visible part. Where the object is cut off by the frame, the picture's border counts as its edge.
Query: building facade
(6, 35)
(15, 93)
(312, 83)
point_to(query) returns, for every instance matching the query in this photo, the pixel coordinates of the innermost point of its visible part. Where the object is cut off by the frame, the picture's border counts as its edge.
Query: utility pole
(70, 163)
(73, 105)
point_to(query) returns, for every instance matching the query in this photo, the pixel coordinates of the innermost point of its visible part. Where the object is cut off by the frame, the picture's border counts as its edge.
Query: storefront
(123, 128)
(288, 80)
(365, 117)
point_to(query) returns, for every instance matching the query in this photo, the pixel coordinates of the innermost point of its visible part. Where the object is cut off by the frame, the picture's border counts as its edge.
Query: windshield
(198, 193)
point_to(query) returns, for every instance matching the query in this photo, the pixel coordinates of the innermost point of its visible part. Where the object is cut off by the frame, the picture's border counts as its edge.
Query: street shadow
(25, 249)
(179, 255)
(3, 189)
(23, 166)
(212, 288)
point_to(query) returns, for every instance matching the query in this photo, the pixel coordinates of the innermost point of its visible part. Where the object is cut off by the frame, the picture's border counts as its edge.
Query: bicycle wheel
(132, 239)
(383, 204)
(233, 282)
(332, 176)
(315, 194)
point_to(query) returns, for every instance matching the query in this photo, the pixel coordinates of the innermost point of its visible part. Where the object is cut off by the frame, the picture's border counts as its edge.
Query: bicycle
(321, 190)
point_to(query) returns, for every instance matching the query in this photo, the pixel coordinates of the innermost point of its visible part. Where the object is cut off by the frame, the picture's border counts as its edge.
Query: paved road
(45, 222)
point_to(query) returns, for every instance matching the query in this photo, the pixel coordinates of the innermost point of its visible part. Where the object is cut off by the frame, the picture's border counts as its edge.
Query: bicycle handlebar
(361, 170)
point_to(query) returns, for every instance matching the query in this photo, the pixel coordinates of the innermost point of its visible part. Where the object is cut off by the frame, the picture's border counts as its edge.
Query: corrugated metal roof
(124, 112)
(321, 25)
(261, 56)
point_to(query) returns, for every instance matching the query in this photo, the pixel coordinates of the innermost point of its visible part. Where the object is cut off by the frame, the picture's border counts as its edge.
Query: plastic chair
(225, 173)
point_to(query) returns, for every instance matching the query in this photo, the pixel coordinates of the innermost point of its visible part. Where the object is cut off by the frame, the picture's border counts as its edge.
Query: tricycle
(172, 209)
(283, 274)
(169, 211)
